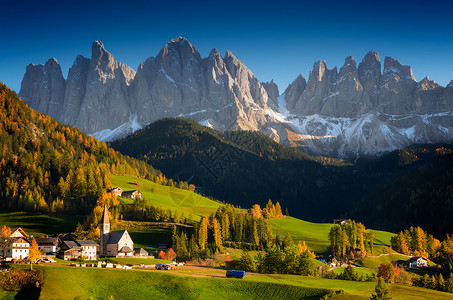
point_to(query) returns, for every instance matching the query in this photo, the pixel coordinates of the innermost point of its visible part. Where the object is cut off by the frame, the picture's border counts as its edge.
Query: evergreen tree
(382, 291)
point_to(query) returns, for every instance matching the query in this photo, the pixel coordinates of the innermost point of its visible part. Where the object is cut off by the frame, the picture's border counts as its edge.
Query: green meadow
(172, 198)
(316, 234)
(83, 283)
(38, 224)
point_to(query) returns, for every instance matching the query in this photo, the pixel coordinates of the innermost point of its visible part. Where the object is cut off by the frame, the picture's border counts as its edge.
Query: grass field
(37, 224)
(375, 262)
(316, 234)
(171, 198)
(68, 283)
(205, 283)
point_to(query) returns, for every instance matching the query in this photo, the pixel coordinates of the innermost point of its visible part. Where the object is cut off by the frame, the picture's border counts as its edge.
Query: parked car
(235, 274)
(163, 266)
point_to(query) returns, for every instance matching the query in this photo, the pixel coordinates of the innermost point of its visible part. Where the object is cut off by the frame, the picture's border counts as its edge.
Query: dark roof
(412, 259)
(105, 216)
(86, 243)
(115, 188)
(48, 240)
(12, 240)
(130, 192)
(126, 249)
(115, 236)
(71, 244)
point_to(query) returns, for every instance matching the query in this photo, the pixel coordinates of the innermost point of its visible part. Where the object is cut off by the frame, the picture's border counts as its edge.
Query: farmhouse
(114, 243)
(48, 244)
(418, 261)
(15, 248)
(80, 248)
(131, 194)
(115, 191)
(17, 232)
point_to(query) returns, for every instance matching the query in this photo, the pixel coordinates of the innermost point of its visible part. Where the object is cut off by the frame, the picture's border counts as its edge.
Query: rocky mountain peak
(426, 84)
(369, 72)
(349, 67)
(178, 49)
(319, 69)
(392, 65)
(272, 91)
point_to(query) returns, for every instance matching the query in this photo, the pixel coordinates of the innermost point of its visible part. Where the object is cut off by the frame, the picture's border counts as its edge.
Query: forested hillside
(51, 167)
(407, 187)
(241, 168)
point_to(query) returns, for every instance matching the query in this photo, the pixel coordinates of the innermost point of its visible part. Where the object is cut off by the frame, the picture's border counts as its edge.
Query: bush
(15, 280)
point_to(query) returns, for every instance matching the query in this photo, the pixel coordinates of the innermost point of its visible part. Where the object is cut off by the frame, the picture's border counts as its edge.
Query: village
(16, 245)
(118, 244)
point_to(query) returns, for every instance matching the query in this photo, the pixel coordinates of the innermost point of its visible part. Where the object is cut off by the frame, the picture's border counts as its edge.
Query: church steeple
(104, 232)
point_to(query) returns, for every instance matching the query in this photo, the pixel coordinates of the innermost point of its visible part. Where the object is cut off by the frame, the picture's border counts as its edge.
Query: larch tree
(33, 253)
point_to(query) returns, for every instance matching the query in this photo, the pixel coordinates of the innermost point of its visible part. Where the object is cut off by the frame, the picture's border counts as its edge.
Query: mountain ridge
(358, 110)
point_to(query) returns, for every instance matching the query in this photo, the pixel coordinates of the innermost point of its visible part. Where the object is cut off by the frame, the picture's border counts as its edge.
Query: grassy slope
(67, 283)
(39, 224)
(375, 262)
(316, 234)
(168, 197)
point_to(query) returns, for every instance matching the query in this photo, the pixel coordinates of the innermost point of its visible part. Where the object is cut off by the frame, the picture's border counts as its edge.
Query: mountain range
(358, 110)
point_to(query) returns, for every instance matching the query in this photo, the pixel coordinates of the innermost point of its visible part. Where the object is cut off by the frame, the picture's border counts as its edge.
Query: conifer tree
(382, 291)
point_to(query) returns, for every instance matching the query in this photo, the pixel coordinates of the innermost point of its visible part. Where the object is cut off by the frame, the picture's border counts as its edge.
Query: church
(114, 243)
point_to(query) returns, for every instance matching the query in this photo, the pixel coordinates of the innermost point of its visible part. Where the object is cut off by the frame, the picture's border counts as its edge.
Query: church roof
(125, 249)
(105, 216)
(115, 236)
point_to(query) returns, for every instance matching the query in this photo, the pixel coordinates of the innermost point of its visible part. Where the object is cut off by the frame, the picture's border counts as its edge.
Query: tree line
(351, 239)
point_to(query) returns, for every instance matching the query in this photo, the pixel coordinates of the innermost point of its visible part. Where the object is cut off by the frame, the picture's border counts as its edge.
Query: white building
(15, 248)
(48, 244)
(114, 243)
(89, 249)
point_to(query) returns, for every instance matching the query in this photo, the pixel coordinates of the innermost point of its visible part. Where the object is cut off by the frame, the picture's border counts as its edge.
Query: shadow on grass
(28, 294)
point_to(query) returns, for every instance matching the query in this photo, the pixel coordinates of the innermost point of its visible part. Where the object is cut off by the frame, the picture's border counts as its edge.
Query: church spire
(105, 216)
(104, 231)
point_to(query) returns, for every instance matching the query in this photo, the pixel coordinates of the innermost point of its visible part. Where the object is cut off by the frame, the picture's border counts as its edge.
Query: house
(17, 232)
(15, 248)
(48, 244)
(340, 221)
(89, 249)
(418, 261)
(142, 252)
(80, 248)
(131, 194)
(115, 191)
(331, 260)
(114, 243)
(69, 250)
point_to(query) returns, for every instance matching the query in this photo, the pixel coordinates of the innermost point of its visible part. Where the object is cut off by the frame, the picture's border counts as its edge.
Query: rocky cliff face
(361, 110)
(43, 87)
(357, 109)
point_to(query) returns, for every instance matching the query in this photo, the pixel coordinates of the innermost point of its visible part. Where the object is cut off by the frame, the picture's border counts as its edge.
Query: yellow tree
(217, 234)
(6, 232)
(33, 253)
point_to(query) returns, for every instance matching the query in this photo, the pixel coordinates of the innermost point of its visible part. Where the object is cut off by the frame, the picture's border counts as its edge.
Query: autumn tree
(388, 272)
(33, 253)
(171, 255)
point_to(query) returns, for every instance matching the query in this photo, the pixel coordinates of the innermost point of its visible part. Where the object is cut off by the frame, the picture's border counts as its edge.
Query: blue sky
(276, 40)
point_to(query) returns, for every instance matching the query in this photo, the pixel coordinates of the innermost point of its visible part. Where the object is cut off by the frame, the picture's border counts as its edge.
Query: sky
(277, 40)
